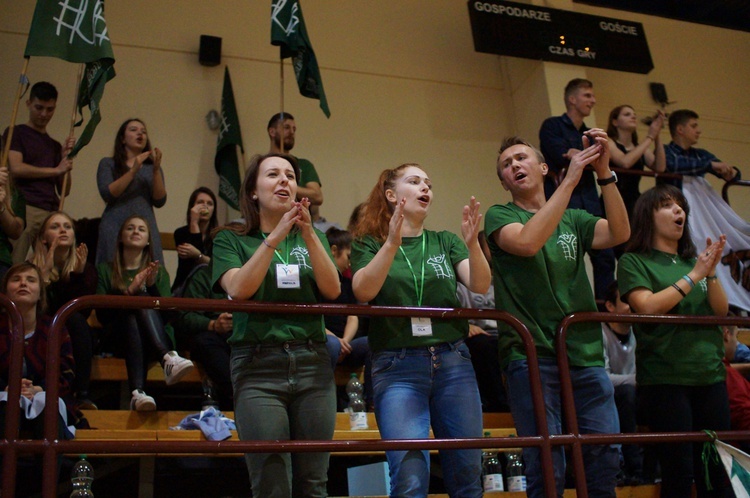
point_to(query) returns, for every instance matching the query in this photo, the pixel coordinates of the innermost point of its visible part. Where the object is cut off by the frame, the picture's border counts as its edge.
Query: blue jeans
(284, 392)
(418, 387)
(596, 411)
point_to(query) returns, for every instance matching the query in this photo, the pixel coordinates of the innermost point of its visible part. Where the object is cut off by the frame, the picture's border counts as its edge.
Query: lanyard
(419, 288)
(286, 243)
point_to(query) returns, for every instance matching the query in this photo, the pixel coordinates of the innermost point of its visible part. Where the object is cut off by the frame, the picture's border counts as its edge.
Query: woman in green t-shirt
(679, 368)
(133, 272)
(421, 369)
(283, 382)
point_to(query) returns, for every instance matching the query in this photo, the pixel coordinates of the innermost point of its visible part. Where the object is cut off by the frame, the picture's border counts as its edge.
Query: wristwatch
(607, 181)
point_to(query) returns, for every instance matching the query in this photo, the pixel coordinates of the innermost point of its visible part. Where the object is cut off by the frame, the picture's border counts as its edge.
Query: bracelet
(709, 277)
(689, 280)
(679, 290)
(200, 257)
(269, 245)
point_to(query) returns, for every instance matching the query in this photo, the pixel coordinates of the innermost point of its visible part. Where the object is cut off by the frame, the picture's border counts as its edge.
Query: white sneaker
(142, 402)
(176, 367)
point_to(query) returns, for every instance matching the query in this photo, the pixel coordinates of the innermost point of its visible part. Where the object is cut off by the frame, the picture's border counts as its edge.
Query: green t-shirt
(443, 251)
(104, 287)
(307, 173)
(232, 251)
(670, 353)
(198, 286)
(19, 208)
(542, 289)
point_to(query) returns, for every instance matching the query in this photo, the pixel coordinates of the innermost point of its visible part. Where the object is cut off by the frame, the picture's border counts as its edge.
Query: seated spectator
(619, 361)
(193, 240)
(23, 284)
(12, 215)
(67, 275)
(346, 345)
(206, 334)
(133, 272)
(710, 214)
(482, 343)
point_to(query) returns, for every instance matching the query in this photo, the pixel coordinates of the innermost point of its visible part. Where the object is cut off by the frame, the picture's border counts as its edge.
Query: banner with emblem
(230, 137)
(76, 31)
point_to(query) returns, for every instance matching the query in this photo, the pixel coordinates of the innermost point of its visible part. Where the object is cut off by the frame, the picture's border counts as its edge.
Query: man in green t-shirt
(281, 133)
(539, 274)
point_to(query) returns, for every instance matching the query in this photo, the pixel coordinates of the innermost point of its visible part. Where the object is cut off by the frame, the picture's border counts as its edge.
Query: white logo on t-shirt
(568, 243)
(440, 265)
(301, 254)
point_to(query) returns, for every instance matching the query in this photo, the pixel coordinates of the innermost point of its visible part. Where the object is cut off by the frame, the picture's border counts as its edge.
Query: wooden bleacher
(108, 425)
(124, 425)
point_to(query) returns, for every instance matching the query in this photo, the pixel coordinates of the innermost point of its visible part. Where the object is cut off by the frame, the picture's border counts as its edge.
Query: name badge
(287, 276)
(421, 327)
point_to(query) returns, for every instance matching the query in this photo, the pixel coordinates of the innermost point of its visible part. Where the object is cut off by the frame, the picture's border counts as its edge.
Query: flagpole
(21, 81)
(71, 133)
(281, 140)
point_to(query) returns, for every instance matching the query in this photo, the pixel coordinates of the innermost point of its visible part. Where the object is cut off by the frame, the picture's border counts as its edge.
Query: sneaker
(142, 402)
(176, 367)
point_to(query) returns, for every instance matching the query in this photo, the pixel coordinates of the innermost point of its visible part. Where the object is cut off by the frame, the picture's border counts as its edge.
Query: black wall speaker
(210, 51)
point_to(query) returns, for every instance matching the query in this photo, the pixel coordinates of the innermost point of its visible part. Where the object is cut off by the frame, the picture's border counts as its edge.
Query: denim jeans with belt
(418, 387)
(286, 392)
(596, 411)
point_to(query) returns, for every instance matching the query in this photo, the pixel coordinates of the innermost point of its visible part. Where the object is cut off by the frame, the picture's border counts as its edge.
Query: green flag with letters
(289, 32)
(76, 31)
(230, 137)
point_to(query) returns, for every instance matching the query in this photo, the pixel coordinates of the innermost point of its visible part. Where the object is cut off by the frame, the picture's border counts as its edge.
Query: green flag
(226, 163)
(90, 93)
(76, 31)
(288, 31)
(73, 30)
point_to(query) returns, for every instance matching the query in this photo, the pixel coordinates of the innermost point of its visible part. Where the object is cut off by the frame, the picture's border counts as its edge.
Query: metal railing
(50, 447)
(574, 437)
(653, 174)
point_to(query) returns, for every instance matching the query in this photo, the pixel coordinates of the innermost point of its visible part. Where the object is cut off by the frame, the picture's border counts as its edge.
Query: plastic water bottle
(81, 477)
(514, 471)
(357, 408)
(492, 473)
(354, 386)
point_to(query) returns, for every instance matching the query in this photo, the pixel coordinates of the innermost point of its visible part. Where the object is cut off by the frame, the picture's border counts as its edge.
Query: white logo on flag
(98, 24)
(277, 7)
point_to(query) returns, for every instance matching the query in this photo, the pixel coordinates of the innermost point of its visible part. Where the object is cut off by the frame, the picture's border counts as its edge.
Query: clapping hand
(144, 278)
(471, 222)
(82, 254)
(397, 221)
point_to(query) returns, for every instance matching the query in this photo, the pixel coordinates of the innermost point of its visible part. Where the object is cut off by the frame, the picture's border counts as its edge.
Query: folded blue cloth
(214, 425)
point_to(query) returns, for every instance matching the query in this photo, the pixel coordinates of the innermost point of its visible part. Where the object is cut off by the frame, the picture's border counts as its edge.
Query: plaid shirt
(696, 162)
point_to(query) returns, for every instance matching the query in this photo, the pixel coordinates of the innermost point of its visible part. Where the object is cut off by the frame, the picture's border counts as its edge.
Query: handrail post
(12, 408)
